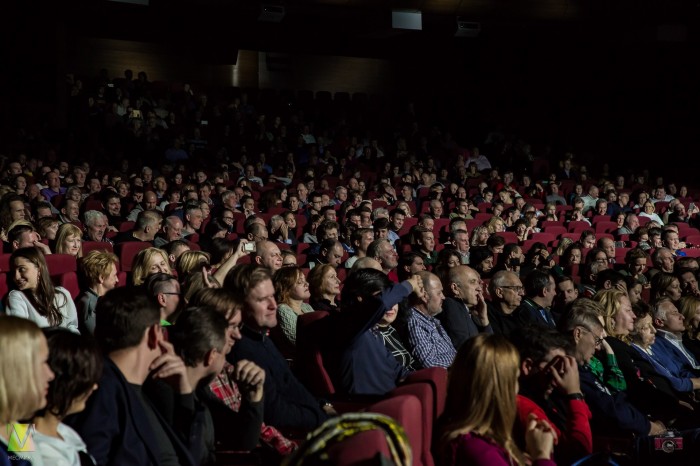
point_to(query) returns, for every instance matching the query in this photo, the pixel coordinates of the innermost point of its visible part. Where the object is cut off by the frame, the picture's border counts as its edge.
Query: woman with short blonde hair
(147, 262)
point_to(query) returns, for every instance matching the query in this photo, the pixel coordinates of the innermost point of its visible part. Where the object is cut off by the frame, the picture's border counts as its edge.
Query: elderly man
(171, 231)
(607, 245)
(630, 226)
(506, 292)
(147, 225)
(464, 312)
(382, 250)
(460, 241)
(590, 200)
(663, 261)
(668, 347)
(95, 223)
(192, 220)
(268, 255)
(427, 338)
(150, 202)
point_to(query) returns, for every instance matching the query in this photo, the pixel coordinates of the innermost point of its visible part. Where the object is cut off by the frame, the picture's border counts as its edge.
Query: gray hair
(91, 216)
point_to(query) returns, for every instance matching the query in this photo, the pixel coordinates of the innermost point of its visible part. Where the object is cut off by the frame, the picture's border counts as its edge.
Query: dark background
(614, 81)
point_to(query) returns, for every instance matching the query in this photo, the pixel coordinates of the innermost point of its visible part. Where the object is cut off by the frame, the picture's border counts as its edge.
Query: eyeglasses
(516, 288)
(598, 340)
(174, 293)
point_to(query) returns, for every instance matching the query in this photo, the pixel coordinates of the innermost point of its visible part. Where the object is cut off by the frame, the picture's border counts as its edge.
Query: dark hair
(17, 231)
(535, 342)
(406, 260)
(364, 283)
(285, 279)
(77, 365)
(122, 316)
(43, 299)
(219, 248)
(535, 282)
(610, 275)
(197, 331)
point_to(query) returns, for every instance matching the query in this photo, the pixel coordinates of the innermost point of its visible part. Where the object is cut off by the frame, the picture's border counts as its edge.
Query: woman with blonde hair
(69, 240)
(191, 261)
(33, 295)
(24, 377)
(480, 236)
(480, 409)
(147, 262)
(495, 225)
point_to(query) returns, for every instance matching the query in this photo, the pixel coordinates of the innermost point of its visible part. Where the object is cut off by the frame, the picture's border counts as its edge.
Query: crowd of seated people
(190, 305)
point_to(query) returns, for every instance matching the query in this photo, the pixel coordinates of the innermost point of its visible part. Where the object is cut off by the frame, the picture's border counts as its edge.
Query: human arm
(18, 306)
(68, 310)
(220, 274)
(287, 321)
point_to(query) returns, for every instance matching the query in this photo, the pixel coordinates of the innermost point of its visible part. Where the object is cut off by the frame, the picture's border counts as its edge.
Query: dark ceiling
(363, 27)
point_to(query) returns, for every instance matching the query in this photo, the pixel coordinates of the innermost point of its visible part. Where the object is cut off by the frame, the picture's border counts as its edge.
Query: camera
(668, 442)
(249, 247)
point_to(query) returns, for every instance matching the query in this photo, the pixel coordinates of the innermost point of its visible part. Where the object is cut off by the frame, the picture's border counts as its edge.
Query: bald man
(268, 255)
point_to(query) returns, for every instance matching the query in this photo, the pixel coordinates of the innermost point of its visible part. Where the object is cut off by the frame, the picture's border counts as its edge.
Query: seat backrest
(97, 246)
(61, 263)
(69, 281)
(127, 251)
(309, 366)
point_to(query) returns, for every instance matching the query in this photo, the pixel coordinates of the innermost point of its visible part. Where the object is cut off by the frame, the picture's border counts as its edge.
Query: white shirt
(18, 305)
(52, 451)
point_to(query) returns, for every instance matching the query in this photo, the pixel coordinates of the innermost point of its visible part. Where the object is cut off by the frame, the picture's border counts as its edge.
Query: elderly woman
(649, 211)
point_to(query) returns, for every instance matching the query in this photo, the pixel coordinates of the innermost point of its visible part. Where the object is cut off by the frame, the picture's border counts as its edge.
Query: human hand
(539, 439)
(171, 368)
(417, 285)
(657, 428)
(479, 311)
(43, 247)
(251, 379)
(565, 375)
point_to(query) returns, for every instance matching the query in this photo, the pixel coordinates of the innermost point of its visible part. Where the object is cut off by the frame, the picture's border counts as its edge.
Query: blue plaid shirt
(429, 341)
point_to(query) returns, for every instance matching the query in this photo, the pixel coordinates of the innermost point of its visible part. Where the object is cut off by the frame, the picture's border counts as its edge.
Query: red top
(474, 450)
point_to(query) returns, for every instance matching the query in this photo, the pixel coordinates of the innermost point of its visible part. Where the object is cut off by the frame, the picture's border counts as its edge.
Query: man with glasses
(165, 290)
(539, 291)
(612, 412)
(464, 313)
(506, 291)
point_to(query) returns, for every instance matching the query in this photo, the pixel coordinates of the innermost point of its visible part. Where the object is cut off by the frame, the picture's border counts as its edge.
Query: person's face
(72, 245)
(566, 292)
(436, 209)
(397, 221)
(73, 211)
(293, 203)
(331, 284)
(672, 240)
(520, 230)
(646, 332)
(689, 283)
(114, 206)
(462, 242)
(575, 256)
(388, 256)
(390, 316)
(271, 257)
(635, 293)
(589, 341)
(511, 292)
(206, 210)
(15, 168)
(674, 290)
(51, 231)
(173, 231)
(609, 248)
(469, 286)
(300, 291)
(44, 373)
(26, 274)
(638, 266)
(674, 321)
(157, 264)
(28, 238)
(661, 194)
(624, 318)
(21, 183)
(260, 306)
(589, 242)
(365, 220)
(53, 180)
(17, 210)
(428, 241)
(418, 265)
(195, 219)
(97, 229)
(666, 261)
(434, 297)
(112, 279)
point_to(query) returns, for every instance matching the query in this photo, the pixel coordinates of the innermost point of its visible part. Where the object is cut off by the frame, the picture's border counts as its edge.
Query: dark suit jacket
(458, 322)
(115, 427)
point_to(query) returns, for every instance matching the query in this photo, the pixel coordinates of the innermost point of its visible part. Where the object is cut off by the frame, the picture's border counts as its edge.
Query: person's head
(69, 240)
(252, 285)
(506, 290)
(201, 338)
(588, 239)
(47, 227)
(77, 365)
(22, 235)
(409, 264)
(95, 225)
(540, 348)
(30, 275)
(430, 302)
(172, 228)
(100, 270)
(464, 283)
(583, 327)
(667, 316)
(540, 287)
(689, 306)
(383, 251)
(636, 261)
(190, 261)
(688, 281)
(662, 258)
(362, 284)
(25, 369)
(194, 217)
(267, 254)
(566, 290)
(618, 316)
(147, 225)
(607, 245)
(323, 282)
(128, 319)
(290, 285)
(149, 261)
(477, 401)
(665, 284)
